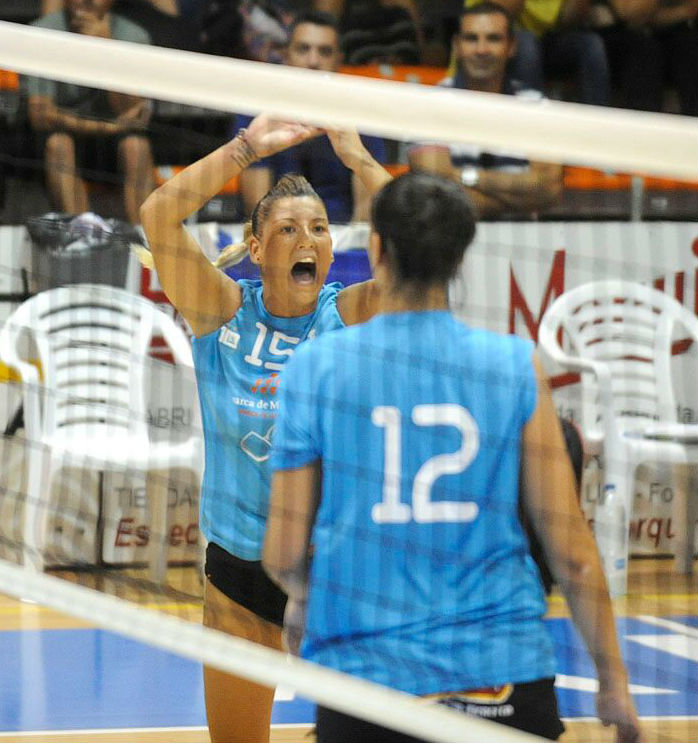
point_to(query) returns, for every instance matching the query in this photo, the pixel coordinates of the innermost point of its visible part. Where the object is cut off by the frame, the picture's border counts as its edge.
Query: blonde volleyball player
(397, 454)
(244, 333)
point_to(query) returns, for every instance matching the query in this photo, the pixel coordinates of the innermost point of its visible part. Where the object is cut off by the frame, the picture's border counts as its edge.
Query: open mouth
(304, 271)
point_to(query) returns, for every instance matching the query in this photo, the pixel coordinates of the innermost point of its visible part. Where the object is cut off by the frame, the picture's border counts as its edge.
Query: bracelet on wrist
(247, 152)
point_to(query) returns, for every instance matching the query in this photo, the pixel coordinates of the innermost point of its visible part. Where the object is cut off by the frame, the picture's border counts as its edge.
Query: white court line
(284, 694)
(591, 685)
(665, 623)
(681, 718)
(676, 644)
(126, 730)
(122, 730)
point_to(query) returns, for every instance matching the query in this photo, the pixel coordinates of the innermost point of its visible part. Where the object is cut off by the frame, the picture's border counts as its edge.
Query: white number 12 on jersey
(423, 510)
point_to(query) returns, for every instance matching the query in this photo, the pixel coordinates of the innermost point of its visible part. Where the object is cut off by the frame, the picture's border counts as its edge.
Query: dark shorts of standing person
(245, 583)
(530, 707)
(96, 158)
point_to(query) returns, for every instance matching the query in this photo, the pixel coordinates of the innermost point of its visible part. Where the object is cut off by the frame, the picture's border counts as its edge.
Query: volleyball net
(95, 532)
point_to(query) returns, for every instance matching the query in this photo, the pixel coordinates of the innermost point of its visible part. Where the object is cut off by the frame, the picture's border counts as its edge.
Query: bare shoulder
(358, 303)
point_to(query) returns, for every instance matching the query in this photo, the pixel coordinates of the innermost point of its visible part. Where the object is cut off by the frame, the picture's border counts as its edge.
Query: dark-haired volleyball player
(397, 454)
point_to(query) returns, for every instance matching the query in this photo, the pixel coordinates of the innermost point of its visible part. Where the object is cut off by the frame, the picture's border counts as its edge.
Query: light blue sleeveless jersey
(237, 371)
(421, 575)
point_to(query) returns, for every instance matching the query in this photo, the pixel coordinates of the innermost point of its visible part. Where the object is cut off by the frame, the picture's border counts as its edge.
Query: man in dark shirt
(314, 45)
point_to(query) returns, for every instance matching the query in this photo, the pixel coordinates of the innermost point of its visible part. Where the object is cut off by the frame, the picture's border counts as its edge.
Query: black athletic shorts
(531, 707)
(245, 583)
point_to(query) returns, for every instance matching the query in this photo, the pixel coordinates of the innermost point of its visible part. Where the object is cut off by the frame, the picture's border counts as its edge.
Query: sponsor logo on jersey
(229, 337)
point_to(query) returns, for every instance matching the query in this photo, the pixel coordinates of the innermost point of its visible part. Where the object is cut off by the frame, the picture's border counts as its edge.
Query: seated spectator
(552, 41)
(651, 44)
(249, 29)
(498, 184)
(622, 24)
(89, 130)
(169, 7)
(314, 44)
(387, 31)
(675, 32)
(265, 29)
(160, 18)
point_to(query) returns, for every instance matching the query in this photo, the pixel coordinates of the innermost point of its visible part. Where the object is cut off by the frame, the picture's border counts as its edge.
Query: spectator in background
(85, 129)
(622, 24)
(314, 45)
(265, 29)
(249, 29)
(552, 41)
(379, 31)
(675, 33)
(651, 43)
(160, 18)
(497, 184)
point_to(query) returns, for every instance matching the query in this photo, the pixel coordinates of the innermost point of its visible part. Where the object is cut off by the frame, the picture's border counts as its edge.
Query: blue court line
(93, 679)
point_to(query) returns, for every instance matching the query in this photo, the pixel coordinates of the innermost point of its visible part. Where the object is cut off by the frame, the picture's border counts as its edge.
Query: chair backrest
(93, 345)
(628, 328)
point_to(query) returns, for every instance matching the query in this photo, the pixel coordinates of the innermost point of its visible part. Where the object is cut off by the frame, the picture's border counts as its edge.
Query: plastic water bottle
(612, 540)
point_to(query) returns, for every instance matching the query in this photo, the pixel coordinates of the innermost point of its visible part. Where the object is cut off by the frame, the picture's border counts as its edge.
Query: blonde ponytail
(229, 256)
(235, 252)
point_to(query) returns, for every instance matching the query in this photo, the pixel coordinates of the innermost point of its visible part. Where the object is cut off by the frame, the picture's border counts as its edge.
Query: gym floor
(62, 680)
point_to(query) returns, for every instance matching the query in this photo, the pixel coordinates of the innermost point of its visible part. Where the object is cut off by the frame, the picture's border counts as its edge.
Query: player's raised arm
(205, 296)
(352, 152)
(358, 302)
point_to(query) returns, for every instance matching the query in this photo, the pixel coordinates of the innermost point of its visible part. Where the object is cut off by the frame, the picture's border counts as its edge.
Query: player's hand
(294, 625)
(347, 146)
(135, 117)
(87, 22)
(267, 135)
(615, 707)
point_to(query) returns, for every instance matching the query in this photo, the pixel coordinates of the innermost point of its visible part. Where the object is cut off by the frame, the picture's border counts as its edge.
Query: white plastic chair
(619, 334)
(90, 409)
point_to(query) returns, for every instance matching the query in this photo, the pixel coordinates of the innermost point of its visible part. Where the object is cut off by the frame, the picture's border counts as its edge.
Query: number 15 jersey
(421, 577)
(238, 369)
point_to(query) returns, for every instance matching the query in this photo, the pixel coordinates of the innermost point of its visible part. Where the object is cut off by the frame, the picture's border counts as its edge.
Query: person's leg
(237, 709)
(136, 162)
(527, 64)
(67, 190)
(580, 53)
(637, 66)
(681, 45)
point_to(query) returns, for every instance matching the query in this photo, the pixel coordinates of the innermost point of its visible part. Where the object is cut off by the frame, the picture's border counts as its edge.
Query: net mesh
(104, 526)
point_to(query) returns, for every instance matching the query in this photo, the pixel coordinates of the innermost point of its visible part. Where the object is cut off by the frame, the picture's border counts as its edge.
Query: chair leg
(691, 513)
(157, 482)
(36, 506)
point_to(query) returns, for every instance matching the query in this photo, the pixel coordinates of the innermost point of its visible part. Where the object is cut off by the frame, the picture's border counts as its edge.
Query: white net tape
(662, 144)
(387, 707)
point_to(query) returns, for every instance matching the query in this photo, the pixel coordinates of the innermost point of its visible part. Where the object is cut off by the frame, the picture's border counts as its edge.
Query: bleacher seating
(181, 134)
(401, 73)
(598, 195)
